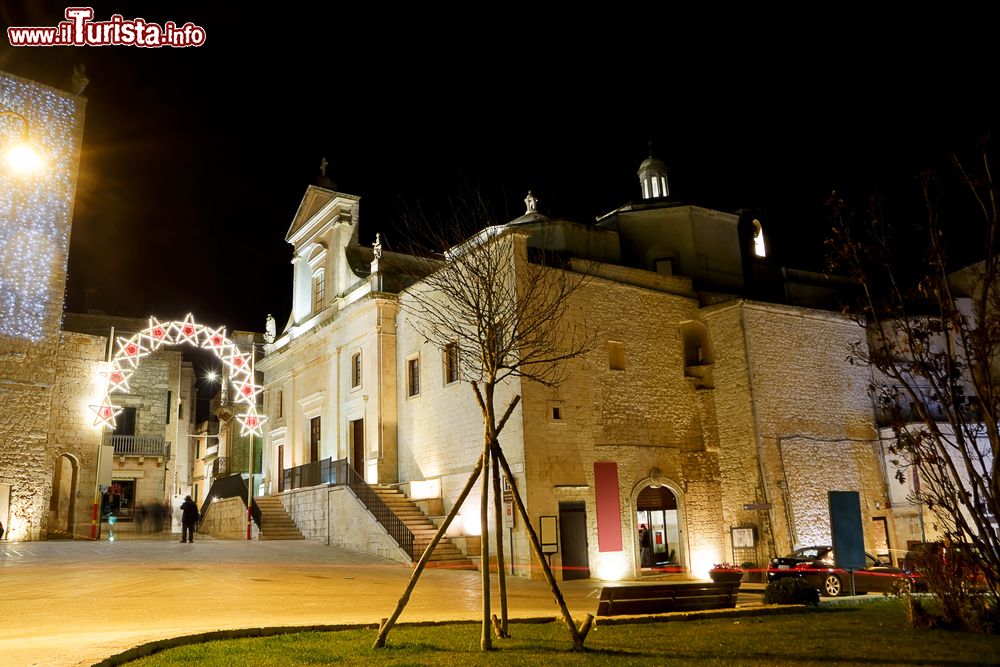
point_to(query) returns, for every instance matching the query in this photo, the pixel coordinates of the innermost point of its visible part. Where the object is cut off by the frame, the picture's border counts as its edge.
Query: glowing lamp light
(212, 376)
(702, 561)
(425, 489)
(612, 566)
(24, 159)
(472, 524)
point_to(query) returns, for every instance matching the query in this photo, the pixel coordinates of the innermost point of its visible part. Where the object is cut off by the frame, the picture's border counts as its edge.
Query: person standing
(645, 544)
(189, 516)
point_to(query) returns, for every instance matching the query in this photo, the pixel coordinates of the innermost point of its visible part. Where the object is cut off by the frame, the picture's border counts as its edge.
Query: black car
(816, 566)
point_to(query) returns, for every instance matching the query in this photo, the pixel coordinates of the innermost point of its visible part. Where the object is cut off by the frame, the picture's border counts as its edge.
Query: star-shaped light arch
(157, 334)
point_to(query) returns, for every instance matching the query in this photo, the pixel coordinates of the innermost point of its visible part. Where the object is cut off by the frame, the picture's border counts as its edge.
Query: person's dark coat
(189, 511)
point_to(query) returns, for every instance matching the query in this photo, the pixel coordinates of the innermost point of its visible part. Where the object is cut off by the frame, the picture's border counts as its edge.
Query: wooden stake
(387, 626)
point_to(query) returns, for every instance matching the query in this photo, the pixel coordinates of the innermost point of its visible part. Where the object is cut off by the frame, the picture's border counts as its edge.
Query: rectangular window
(556, 414)
(451, 373)
(125, 422)
(616, 355)
(314, 434)
(278, 408)
(356, 370)
(170, 395)
(319, 291)
(413, 376)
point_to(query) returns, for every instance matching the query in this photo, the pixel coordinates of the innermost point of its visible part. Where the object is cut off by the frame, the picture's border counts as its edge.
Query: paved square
(75, 603)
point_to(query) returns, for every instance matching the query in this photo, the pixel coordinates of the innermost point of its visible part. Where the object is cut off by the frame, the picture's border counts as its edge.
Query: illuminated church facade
(717, 418)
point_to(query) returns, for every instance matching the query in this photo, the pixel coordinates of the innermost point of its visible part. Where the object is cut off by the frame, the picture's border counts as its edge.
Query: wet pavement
(75, 603)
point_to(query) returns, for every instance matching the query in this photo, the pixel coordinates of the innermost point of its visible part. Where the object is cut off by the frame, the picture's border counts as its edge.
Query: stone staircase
(275, 524)
(446, 555)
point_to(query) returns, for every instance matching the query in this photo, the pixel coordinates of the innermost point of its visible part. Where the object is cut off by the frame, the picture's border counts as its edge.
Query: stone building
(45, 385)
(151, 443)
(712, 415)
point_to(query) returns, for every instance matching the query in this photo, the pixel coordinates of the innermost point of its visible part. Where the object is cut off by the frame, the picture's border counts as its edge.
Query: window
(759, 248)
(319, 290)
(556, 414)
(279, 405)
(125, 422)
(356, 370)
(170, 396)
(413, 376)
(451, 372)
(495, 343)
(616, 355)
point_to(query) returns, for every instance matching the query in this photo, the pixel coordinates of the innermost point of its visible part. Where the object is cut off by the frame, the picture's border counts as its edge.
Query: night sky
(195, 160)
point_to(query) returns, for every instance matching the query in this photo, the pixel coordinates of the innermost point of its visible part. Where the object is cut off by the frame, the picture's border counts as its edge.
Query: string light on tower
(36, 208)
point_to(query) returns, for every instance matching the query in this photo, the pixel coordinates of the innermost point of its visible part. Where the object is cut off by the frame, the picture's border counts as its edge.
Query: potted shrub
(728, 573)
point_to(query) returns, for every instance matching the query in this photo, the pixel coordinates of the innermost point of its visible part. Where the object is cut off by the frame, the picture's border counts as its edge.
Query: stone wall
(644, 416)
(784, 389)
(334, 516)
(226, 519)
(440, 430)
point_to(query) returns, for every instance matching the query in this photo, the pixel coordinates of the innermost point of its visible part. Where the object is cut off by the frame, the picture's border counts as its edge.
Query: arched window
(759, 249)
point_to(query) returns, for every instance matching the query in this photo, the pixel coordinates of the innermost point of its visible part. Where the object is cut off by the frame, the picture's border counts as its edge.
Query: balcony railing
(220, 467)
(139, 445)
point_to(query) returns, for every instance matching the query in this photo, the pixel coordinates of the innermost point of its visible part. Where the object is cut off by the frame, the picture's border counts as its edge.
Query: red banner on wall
(609, 511)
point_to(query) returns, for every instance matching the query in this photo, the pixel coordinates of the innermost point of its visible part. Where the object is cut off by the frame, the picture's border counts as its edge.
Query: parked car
(816, 566)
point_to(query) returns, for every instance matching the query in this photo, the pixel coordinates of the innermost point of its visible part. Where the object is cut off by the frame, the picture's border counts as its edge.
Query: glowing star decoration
(117, 379)
(247, 391)
(214, 339)
(105, 413)
(156, 334)
(186, 331)
(251, 422)
(236, 359)
(130, 350)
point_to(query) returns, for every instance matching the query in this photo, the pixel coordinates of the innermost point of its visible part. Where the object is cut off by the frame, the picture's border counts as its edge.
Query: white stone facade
(745, 411)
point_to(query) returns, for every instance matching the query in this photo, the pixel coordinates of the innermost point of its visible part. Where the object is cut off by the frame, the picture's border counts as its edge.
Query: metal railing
(383, 514)
(340, 473)
(326, 471)
(139, 445)
(220, 467)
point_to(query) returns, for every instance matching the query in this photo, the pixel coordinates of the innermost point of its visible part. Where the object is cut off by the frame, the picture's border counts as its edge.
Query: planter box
(726, 576)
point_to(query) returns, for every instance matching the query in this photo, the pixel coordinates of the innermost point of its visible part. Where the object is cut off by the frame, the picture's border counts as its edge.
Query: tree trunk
(383, 631)
(486, 639)
(536, 547)
(501, 568)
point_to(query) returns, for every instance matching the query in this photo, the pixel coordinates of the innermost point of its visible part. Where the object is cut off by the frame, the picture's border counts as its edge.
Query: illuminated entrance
(658, 523)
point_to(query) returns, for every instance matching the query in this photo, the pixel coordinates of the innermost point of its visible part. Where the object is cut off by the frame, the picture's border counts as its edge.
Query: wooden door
(573, 540)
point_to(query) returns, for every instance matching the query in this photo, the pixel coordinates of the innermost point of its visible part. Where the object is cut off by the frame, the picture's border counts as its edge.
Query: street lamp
(22, 157)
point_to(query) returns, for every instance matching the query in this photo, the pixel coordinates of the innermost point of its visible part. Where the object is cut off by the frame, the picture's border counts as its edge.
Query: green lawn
(871, 634)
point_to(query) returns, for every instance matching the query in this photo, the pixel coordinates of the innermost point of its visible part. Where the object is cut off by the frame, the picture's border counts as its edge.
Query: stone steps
(446, 555)
(275, 524)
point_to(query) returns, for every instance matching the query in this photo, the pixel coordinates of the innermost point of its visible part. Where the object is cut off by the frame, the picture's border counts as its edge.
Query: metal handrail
(383, 514)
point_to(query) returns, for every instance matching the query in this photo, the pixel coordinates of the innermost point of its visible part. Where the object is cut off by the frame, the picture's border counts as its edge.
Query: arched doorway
(62, 504)
(659, 529)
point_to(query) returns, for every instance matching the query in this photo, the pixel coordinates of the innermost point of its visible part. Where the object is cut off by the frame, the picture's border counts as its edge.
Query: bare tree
(498, 315)
(934, 340)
